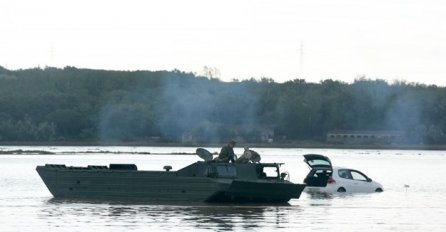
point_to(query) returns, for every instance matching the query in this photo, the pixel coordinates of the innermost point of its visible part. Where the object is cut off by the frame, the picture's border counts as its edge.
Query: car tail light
(331, 181)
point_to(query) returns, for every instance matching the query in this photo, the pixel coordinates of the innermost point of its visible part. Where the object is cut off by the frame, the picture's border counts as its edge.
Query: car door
(360, 182)
(345, 180)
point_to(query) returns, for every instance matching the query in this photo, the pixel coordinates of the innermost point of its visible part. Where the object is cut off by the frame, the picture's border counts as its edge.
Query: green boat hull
(199, 182)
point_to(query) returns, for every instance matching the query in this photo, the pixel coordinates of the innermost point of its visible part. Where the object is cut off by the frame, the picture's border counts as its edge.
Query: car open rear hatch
(321, 170)
(318, 161)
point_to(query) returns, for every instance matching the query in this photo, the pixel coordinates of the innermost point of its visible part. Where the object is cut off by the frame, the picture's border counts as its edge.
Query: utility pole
(52, 55)
(301, 62)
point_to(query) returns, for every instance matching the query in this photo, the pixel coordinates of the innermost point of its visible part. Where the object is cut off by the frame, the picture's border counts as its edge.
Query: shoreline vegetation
(77, 107)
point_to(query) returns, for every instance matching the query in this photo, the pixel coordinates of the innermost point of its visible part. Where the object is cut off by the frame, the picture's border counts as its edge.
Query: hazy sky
(341, 39)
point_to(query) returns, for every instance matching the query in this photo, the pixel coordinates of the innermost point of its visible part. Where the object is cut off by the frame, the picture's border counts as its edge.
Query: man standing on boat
(227, 153)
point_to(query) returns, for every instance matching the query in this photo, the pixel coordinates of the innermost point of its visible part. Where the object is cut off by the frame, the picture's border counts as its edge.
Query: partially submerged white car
(324, 178)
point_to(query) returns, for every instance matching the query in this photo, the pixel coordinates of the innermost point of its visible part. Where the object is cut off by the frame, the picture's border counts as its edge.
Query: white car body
(324, 178)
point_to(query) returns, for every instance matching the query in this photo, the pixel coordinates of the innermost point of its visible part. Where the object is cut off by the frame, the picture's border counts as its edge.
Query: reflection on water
(175, 217)
(141, 216)
(414, 198)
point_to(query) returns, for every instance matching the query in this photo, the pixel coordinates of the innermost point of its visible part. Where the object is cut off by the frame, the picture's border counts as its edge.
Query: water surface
(414, 198)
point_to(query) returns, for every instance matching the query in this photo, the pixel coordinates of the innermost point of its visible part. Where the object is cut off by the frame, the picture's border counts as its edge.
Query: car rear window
(316, 162)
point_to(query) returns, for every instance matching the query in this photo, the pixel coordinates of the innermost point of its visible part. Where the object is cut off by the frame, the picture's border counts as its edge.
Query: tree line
(72, 104)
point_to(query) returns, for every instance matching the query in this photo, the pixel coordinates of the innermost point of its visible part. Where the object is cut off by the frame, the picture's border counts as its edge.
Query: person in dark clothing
(227, 153)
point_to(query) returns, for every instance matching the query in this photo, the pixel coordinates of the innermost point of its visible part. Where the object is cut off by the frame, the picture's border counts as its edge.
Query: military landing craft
(203, 181)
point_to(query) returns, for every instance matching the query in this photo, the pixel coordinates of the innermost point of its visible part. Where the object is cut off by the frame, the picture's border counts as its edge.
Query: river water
(414, 198)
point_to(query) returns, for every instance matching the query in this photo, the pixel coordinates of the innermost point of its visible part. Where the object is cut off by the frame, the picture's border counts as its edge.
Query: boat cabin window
(226, 171)
(268, 172)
